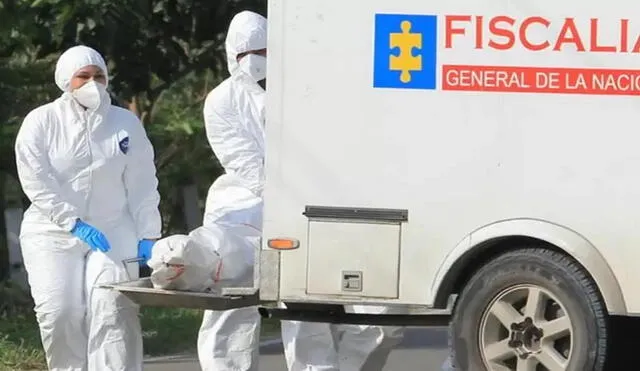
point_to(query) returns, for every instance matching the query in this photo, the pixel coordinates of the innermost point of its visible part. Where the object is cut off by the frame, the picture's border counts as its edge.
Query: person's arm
(236, 149)
(36, 176)
(141, 184)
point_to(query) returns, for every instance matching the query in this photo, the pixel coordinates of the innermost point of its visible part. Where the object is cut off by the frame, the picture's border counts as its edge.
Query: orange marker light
(283, 243)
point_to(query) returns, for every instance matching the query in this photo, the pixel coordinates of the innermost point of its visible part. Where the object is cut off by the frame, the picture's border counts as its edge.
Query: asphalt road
(425, 350)
(422, 349)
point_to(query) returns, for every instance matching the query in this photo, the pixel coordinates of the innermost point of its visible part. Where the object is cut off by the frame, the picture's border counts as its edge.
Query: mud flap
(141, 292)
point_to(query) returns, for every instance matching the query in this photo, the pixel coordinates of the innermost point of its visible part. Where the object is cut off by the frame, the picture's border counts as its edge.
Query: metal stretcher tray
(142, 292)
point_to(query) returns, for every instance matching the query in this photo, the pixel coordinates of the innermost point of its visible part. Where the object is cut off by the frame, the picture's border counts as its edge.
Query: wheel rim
(526, 328)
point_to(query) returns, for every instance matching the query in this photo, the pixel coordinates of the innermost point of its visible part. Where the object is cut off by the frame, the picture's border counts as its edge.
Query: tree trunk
(192, 213)
(4, 251)
(133, 106)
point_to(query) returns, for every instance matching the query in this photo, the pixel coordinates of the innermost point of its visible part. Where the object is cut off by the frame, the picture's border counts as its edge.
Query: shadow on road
(414, 338)
(624, 345)
(186, 358)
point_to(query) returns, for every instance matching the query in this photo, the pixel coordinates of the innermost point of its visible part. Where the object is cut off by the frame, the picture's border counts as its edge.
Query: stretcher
(142, 292)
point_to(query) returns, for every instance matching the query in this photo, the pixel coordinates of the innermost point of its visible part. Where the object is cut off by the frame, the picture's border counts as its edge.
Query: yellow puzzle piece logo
(405, 51)
(405, 62)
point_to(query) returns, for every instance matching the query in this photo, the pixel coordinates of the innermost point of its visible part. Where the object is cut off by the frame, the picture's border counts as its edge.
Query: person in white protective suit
(88, 169)
(234, 115)
(234, 122)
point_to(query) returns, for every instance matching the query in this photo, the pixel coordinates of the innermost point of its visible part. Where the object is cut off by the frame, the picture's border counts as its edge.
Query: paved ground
(425, 349)
(421, 350)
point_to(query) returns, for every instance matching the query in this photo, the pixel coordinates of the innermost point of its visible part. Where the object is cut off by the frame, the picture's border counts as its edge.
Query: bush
(165, 331)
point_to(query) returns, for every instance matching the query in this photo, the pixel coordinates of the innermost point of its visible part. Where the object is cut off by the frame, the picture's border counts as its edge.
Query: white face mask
(91, 94)
(255, 66)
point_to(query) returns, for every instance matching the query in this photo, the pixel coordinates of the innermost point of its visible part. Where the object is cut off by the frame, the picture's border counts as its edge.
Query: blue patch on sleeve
(124, 145)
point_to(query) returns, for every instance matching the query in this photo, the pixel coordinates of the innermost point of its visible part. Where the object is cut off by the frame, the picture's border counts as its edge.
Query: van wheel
(530, 310)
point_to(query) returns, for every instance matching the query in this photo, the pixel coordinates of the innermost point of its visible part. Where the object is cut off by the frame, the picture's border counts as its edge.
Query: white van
(473, 158)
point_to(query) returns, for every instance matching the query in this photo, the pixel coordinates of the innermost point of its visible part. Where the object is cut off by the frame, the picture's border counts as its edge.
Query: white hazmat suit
(312, 346)
(234, 118)
(95, 165)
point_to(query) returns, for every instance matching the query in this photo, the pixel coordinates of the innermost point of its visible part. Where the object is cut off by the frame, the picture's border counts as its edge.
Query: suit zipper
(88, 139)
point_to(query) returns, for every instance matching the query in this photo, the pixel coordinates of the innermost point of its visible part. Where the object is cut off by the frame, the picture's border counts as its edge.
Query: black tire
(554, 272)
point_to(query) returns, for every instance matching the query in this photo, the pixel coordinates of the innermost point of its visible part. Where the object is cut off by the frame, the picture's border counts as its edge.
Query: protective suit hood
(247, 31)
(74, 59)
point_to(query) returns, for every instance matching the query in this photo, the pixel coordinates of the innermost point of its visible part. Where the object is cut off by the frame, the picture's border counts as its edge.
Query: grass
(172, 331)
(165, 332)
(20, 347)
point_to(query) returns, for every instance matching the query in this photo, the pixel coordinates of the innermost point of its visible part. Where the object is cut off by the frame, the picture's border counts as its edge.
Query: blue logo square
(405, 51)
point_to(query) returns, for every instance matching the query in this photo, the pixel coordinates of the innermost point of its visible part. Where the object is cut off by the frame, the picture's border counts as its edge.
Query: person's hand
(144, 250)
(91, 236)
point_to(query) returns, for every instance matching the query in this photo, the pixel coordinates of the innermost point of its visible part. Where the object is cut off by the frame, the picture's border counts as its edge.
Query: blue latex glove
(93, 237)
(144, 250)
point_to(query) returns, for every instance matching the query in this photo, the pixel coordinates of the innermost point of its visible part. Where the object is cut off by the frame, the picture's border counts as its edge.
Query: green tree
(185, 158)
(163, 56)
(149, 44)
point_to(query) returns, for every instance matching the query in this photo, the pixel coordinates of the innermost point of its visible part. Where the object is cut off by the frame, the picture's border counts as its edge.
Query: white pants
(229, 340)
(83, 327)
(311, 346)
